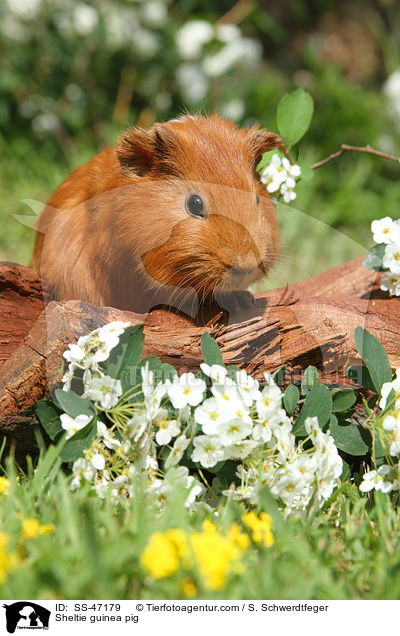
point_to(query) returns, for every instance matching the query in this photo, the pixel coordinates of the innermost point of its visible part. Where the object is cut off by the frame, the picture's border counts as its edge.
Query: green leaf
(309, 379)
(307, 172)
(210, 350)
(294, 114)
(168, 371)
(360, 375)
(82, 440)
(49, 417)
(373, 259)
(342, 399)
(72, 404)
(232, 371)
(374, 356)
(290, 399)
(127, 353)
(266, 158)
(279, 375)
(318, 404)
(349, 437)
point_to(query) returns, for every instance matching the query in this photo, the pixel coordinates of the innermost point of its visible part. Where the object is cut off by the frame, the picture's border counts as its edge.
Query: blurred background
(75, 74)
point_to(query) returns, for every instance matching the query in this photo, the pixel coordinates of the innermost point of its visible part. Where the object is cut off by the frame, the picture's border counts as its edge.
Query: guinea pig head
(206, 222)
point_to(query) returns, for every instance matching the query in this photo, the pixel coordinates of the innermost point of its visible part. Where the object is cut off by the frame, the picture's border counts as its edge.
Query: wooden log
(311, 322)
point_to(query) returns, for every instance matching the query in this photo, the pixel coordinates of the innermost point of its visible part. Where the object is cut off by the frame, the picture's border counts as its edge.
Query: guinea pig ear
(136, 152)
(262, 141)
(142, 151)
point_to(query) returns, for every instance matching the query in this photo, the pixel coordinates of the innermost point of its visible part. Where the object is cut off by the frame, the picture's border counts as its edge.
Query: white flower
(110, 487)
(207, 450)
(93, 348)
(248, 387)
(186, 389)
(269, 401)
(279, 176)
(98, 461)
(227, 32)
(216, 372)
(391, 89)
(374, 479)
(382, 229)
(285, 445)
(227, 396)
(391, 258)
(242, 51)
(209, 414)
(390, 283)
(287, 193)
(154, 13)
(192, 36)
(113, 330)
(68, 377)
(85, 18)
(387, 387)
(176, 454)
(73, 425)
(167, 428)
(391, 423)
(234, 431)
(240, 450)
(273, 174)
(104, 433)
(192, 82)
(105, 390)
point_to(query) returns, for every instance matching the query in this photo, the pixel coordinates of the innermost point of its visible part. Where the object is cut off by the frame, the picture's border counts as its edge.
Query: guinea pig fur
(171, 214)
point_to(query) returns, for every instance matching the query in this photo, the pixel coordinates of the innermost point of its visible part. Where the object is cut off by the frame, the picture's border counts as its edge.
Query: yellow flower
(164, 553)
(215, 555)
(188, 588)
(260, 526)
(46, 528)
(30, 528)
(212, 554)
(238, 537)
(8, 560)
(4, 486)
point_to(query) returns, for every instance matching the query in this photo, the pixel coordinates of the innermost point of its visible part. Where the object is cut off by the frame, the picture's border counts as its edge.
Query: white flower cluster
(387, 231)
(87, 355)
(212, 418)
(279, 177)
(386, 478)
(199, 66)
(295, 475)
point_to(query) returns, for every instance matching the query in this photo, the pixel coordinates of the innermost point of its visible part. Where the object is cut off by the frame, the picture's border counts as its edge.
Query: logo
(26, 615)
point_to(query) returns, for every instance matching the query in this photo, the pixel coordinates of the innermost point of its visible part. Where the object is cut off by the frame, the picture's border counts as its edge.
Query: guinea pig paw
(235, 301)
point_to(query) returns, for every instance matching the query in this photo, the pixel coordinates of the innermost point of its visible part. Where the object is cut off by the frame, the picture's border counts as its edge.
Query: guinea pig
(174, 214)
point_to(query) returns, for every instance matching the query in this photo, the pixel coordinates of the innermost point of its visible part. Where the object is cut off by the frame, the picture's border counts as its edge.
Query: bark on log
(311, 322)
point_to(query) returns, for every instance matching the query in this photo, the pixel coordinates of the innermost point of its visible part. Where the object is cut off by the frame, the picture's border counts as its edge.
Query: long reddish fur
(116, 232)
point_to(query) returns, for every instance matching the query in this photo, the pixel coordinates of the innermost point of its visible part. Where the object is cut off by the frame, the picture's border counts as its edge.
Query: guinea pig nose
(240, 272)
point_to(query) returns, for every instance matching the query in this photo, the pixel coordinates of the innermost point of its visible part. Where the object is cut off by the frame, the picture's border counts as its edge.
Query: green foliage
(210, 350)
(348, 551)
(294, 115)
(290, 399)
(374, 258)
(374, 356)
(318, 403)
(125, 357)
(72, 404)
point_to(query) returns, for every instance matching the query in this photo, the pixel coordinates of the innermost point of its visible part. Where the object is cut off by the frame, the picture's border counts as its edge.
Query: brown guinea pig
(175, 214)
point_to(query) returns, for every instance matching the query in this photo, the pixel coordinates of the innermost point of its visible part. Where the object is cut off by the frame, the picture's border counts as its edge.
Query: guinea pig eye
(257, 200)
(195, 205)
